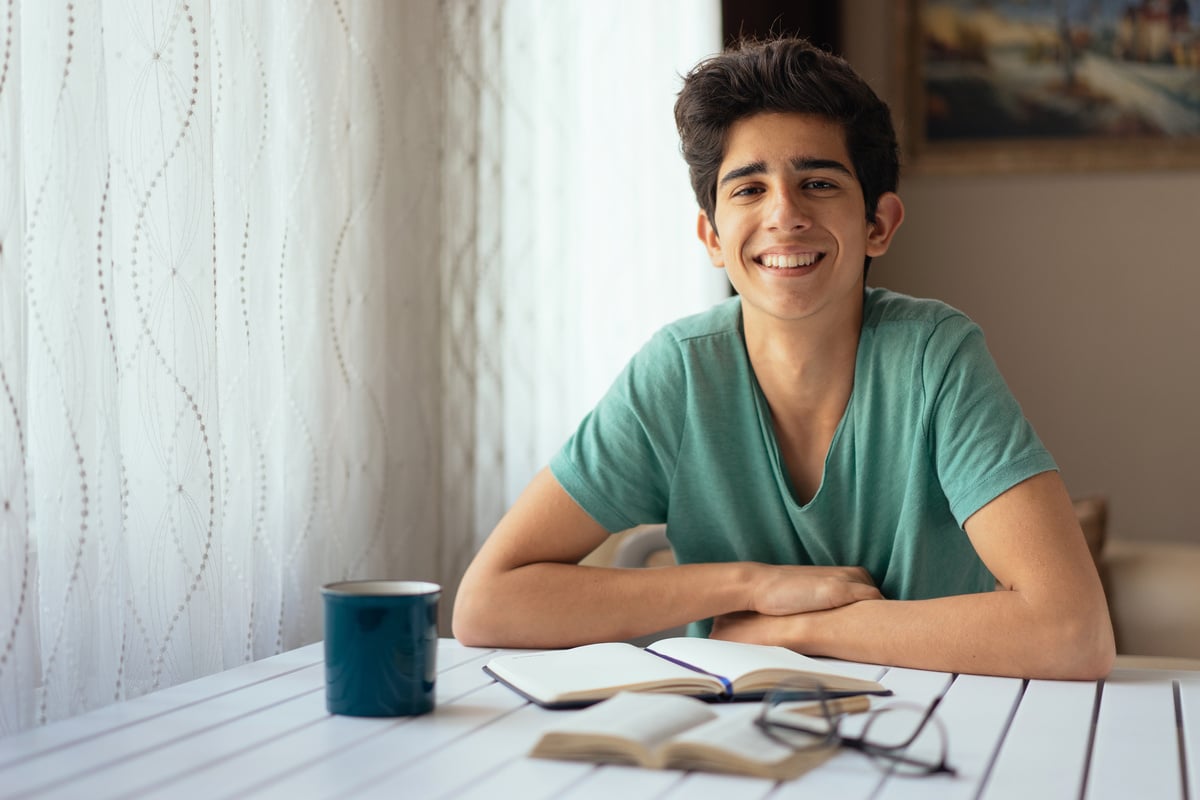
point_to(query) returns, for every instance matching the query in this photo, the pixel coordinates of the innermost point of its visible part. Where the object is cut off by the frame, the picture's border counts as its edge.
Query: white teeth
(789, 262)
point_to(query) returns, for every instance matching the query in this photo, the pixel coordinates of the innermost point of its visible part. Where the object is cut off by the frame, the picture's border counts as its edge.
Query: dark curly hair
(787, 75)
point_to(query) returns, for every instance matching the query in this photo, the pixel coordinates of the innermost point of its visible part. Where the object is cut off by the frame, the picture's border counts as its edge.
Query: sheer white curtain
(600, 246)
(298, 291)
(576, 238)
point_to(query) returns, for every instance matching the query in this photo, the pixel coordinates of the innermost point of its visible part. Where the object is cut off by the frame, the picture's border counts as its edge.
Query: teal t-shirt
(930, 435)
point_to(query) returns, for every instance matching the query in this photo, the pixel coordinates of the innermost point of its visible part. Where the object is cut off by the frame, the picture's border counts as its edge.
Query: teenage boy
(842, 469)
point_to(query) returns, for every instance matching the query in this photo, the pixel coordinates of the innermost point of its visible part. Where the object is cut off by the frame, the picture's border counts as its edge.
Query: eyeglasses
(804, 715)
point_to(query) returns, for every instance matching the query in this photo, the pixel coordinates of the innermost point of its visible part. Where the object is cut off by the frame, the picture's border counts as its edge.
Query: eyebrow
(800, 164)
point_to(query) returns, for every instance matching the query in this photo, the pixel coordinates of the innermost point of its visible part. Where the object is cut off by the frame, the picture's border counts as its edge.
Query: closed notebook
(662, 731)
(709, 669)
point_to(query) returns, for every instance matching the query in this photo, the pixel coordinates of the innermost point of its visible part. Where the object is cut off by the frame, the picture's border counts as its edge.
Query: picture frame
(1050, 85)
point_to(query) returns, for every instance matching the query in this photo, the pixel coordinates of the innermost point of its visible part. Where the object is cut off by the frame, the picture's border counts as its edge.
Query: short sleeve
(618, 464)
(981, 443)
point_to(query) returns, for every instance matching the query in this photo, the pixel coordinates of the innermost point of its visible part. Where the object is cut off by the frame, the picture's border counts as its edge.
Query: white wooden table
(261, 730)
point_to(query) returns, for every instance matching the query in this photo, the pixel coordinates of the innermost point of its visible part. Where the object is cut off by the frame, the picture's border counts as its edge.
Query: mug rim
(380, 587)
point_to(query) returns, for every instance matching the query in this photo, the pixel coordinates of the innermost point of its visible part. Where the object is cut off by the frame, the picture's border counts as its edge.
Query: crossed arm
(525, 588)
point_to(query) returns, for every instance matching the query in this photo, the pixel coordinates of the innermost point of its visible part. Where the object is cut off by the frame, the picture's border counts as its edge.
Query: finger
(842, 593)
(860, 575)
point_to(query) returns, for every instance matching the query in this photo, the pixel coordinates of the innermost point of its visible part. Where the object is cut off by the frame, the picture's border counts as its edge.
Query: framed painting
(1021, 85)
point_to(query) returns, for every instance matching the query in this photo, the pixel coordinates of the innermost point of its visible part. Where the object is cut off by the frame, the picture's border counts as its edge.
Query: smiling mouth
(795, 261)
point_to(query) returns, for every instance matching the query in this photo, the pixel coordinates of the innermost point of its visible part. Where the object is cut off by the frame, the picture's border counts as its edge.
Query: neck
(805, 369)
(805, 365)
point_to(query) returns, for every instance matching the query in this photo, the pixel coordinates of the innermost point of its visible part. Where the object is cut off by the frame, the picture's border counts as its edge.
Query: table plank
(133, 747)
(709, 786)
(976, 712)
(467, 759)
(452, 654)
(1189, 696)
(627, 783)
(1136, 750)
(87, 762)
(528, 779)
(286, 757)
(338, 770)
(138, 776)
(48, 740)
(1046, 749)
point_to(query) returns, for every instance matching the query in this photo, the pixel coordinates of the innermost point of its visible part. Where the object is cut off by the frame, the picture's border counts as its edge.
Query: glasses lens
(903, 739)
(799, 714)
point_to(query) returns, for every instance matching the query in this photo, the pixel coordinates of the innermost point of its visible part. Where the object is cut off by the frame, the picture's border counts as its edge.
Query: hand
(785, 595)
(784, 590)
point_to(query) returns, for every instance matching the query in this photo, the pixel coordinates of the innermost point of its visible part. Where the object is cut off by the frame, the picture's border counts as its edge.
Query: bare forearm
(560, 605)
(994, 633)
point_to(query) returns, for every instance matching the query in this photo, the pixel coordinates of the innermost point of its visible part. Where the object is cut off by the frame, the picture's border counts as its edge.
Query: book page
(737, 660)
(733, 659)
(733, 743)
(645, 719)
(736, 734)
(596, 671)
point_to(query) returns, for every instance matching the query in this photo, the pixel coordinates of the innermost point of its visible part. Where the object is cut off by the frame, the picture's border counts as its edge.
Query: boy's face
(791, 228)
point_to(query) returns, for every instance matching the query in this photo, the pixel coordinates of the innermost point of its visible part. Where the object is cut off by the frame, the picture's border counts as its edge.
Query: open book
(709, 669)
(672, 732)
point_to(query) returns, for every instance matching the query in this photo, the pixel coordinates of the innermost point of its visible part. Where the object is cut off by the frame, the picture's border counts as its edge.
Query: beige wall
(1086, 285)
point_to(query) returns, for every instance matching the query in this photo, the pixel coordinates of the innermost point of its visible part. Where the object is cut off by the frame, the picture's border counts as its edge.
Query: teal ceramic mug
(380, 647)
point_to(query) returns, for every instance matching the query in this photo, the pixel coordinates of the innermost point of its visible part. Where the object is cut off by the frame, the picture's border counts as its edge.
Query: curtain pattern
(301, 291)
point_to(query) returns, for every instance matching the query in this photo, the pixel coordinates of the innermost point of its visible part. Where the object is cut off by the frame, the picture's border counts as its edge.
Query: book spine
(726, 684)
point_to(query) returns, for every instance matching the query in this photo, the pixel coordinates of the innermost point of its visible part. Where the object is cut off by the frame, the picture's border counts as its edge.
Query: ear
(708, 237)
(889, 213)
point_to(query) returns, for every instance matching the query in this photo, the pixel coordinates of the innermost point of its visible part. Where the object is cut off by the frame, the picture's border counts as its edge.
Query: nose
(787, 210)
